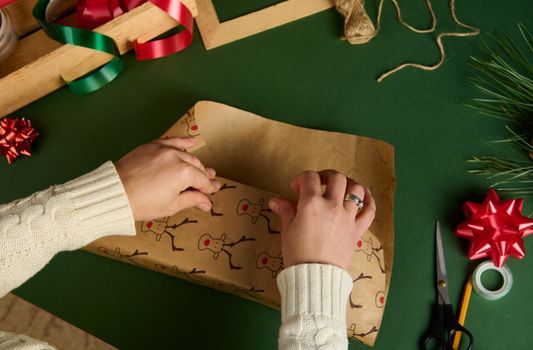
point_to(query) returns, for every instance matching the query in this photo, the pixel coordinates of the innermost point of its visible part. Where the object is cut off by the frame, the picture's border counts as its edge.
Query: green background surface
(303, 74)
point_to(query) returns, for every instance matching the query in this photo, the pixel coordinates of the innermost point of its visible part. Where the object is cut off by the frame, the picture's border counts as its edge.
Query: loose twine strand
(359, 29)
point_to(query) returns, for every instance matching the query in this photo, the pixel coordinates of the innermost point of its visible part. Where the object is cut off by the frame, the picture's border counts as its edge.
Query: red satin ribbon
(172, 44)
(15, 138)
(93, 13)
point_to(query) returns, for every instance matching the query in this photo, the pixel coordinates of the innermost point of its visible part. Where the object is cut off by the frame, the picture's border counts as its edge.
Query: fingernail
(204, 207)
(217, 184)
(211, 172)
(273, 205)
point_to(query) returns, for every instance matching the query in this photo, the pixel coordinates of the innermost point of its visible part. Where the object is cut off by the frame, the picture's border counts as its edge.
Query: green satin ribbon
(86, 38)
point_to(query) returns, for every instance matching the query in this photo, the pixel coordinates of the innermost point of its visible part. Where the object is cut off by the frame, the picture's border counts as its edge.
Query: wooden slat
(49, 62)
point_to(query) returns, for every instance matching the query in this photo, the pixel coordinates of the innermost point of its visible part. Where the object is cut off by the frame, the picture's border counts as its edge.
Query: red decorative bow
(93, 13)
(15, 137)
(495, 228)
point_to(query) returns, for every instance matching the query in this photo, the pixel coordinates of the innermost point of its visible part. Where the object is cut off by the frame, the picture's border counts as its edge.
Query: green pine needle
(506, 81)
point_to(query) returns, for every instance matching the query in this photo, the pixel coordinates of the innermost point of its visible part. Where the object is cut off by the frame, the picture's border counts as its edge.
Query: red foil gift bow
(495, 228)
(15, 137)
(93, 13)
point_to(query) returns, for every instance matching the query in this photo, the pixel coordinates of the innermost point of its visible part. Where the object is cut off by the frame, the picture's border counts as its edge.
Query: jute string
(359, 29)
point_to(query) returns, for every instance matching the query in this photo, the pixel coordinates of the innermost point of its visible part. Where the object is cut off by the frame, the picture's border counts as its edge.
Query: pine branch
(505, 79)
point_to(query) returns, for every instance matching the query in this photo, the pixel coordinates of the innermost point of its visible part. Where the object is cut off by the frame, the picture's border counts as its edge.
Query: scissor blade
(442, 277)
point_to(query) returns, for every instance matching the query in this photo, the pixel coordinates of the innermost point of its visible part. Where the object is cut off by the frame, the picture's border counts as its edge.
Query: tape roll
(492, 294)
(8, 39)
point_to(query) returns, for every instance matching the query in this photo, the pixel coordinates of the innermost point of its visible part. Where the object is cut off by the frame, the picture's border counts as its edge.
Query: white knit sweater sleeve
(69, 216)
(10, 341)
(64, 217)
(313, 307)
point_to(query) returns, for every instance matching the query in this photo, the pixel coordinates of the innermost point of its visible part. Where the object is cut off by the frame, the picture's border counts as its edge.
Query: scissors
(444, 325)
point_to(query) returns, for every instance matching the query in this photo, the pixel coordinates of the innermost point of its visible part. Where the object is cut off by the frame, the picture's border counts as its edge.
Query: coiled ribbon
(8, 39)
(174, 43)
(92, 13)
(86, 38)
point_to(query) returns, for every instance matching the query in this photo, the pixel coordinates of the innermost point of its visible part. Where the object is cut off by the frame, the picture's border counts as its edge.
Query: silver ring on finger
(353, 198)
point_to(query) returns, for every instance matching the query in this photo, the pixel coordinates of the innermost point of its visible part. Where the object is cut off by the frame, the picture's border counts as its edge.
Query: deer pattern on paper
(191, 125)
(224, 187)
(250, 293)
(354, 334)
(256, 211)
(160, 227)
(354, 305)
(274, 264)
(118, 255)
(219, 245)
(380, 299)
(366, 246)
(174, 270)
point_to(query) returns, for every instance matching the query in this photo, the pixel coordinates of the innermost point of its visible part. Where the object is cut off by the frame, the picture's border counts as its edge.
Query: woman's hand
(161, 179)
(322, 227)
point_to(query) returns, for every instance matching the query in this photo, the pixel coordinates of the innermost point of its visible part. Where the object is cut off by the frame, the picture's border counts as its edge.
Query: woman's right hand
(322, 227)
(161, 178)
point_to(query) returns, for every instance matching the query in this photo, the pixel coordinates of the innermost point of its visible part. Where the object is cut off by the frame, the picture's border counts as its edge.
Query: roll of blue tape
(492, 294)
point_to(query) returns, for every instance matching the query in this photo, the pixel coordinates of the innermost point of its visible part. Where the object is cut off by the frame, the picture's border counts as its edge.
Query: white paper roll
(492, 294)
(8, 39)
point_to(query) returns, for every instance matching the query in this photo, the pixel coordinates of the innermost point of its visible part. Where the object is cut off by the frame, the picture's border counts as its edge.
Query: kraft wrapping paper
(236, 247)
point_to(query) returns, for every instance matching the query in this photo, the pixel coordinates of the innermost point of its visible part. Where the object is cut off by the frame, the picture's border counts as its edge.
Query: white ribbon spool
(492, 294)
(8, 39)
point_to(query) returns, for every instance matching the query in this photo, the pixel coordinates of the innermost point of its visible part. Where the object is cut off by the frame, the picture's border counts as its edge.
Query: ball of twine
(359, 29)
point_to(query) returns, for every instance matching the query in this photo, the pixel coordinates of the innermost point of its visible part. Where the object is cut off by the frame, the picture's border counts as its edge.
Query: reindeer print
(272, 263)
(255, 211)
(251, 292)
(366, 247)
(181, 274)
(224, 187)
(218, 245)
(380, 299)
(352, 334)
(360, 277)
(118, 255)
(159, 227)
(192, 126)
